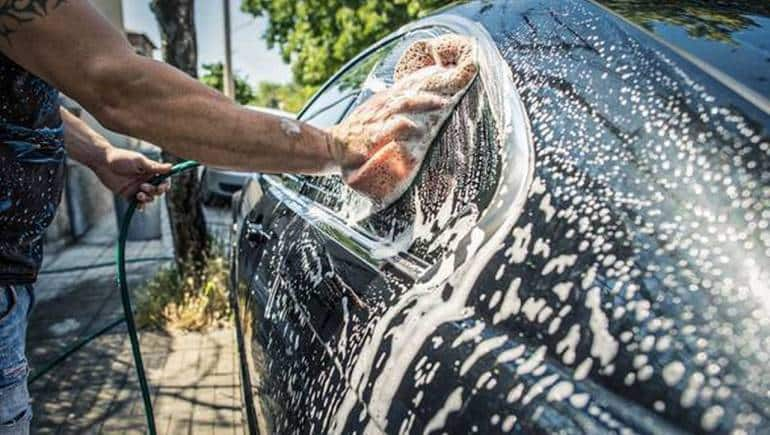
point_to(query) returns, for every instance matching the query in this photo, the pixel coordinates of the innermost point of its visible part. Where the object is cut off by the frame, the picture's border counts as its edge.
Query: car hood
(732, 37)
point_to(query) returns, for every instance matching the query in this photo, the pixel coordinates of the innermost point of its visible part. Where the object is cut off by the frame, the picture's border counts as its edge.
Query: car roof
(730, 36)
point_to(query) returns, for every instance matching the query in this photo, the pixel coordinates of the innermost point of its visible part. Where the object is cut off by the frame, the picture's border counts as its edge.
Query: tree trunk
(188, 225)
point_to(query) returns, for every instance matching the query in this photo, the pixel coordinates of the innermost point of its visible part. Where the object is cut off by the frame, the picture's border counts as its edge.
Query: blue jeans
(15, 411)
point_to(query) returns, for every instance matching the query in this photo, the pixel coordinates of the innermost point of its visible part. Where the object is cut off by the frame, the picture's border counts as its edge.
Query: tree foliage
(214, 77)
(287, 97)
(318, 36)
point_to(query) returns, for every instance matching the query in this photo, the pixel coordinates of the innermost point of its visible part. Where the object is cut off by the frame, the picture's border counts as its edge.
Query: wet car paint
(730, 36)
(624, 291)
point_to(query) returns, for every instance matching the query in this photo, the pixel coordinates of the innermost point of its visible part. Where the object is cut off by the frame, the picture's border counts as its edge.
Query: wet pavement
(194, 376)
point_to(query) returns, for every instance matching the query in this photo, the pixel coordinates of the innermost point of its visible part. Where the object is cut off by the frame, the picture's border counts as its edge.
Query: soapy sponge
(430, 78)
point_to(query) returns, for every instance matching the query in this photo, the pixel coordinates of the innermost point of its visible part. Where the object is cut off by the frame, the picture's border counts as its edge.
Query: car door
(625, 296)
(335, 267)
(288, 296)
(278, 341)
(624, 292)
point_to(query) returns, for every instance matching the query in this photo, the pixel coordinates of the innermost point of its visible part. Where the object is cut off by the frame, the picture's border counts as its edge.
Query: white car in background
(221, 184)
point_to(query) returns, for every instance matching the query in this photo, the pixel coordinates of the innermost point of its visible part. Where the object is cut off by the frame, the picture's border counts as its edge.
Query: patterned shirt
(31, 169)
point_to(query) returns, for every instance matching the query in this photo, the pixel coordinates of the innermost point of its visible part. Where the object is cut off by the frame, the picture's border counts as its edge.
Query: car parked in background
(221, 184)
(586, 248)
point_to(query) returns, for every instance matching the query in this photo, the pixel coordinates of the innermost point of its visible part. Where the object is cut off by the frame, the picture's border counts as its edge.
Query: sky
(251, 57)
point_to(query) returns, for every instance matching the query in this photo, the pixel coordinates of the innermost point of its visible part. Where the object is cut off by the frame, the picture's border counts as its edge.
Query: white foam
(290, 128)
(673, 372)
(482, 349)
(711, 417)
(452, 404)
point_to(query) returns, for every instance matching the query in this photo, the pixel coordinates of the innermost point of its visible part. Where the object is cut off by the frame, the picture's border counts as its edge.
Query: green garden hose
(120, 259)
(128, 313)
(49, 365)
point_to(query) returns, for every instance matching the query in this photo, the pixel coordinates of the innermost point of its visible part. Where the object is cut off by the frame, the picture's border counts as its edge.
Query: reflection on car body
(585, 249)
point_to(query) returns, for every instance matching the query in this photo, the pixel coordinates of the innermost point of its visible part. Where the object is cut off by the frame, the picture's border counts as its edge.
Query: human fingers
(149, 189)
(164, 187)
(153, 167)
(152, 190)
(143, 198)
(417, 103)
(398, 127)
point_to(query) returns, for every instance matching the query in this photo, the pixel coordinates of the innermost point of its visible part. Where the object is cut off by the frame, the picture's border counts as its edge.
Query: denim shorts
(15, 411)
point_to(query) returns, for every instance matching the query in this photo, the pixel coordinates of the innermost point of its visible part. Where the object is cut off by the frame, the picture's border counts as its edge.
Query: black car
(586, 248)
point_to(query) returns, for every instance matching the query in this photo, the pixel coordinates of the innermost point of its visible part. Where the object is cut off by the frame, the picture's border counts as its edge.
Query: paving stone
(193, 376)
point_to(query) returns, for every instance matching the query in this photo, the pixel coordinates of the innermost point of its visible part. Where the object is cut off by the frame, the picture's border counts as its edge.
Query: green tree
(287, 97)
(214, 77)
(318, 36)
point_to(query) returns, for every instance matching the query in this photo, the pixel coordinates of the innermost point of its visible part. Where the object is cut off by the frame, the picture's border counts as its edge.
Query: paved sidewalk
(194, 377)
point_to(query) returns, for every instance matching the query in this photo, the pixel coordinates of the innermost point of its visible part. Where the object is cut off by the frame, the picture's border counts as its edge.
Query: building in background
(142, 43)
(113, 11)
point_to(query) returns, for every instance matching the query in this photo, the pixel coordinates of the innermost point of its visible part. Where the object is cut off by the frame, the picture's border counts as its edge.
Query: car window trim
(332, 104)
(744, 91)
(358, 243)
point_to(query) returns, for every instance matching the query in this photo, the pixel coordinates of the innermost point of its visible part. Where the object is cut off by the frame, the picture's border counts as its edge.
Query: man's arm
(122, 171)
(70, 45)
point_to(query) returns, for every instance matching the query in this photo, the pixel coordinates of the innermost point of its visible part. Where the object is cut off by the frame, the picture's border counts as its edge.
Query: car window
(331, 108)
(333, 102)
(448, 195)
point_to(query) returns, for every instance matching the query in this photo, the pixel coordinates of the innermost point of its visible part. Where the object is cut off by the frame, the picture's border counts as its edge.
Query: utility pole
(227, 73)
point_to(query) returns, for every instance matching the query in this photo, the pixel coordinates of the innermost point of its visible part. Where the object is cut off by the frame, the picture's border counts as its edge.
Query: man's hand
(126, 174)
(381, 144)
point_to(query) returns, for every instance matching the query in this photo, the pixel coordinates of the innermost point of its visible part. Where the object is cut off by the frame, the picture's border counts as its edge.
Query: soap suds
(673, 372)
(290, 128)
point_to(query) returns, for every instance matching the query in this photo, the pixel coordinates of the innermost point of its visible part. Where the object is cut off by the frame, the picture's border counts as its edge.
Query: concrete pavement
(194, 376)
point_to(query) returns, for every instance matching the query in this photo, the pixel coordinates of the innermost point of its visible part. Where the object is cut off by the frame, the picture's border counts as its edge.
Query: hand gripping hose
(120, 259)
